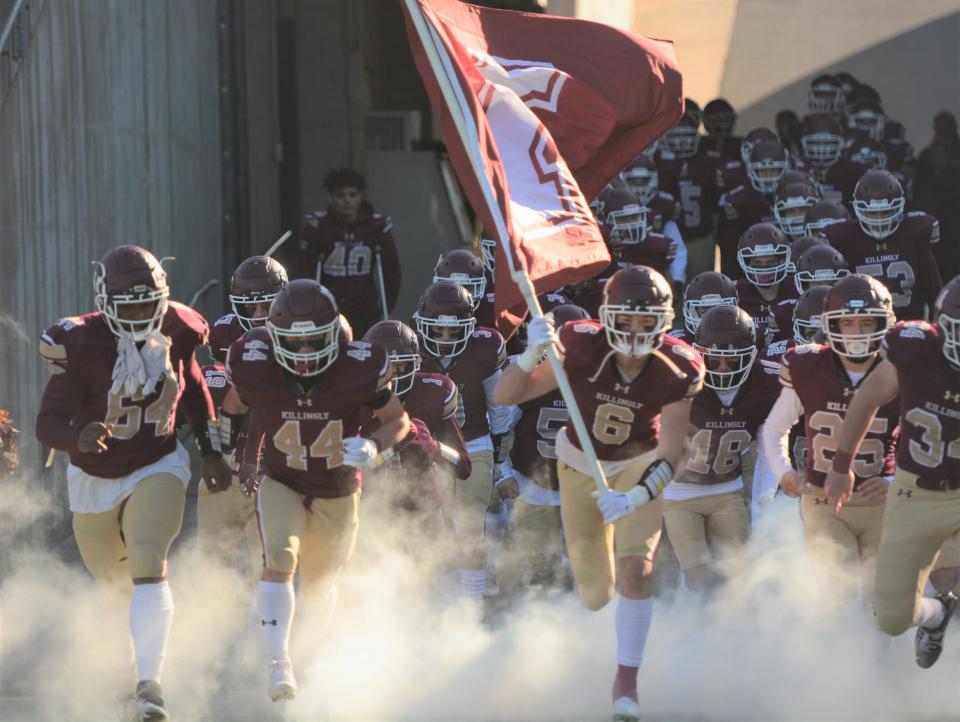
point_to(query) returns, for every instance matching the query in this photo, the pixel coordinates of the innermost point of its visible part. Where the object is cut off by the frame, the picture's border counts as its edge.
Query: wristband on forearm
(207, 435)
(841, 462)
(656, 477)
(230, 425)
(448, 454)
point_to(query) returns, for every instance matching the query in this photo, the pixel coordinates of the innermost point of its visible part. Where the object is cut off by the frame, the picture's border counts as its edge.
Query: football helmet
(641, 177)
(637, 310)
(624, 216)
(693, 108)
(946, 315)
(256, 281)
(869, 152)
(820, 265)
(400, 343)
(821, 140)
(764, 254)
(727, 340)
(719, 117)
(862, 92)
(757, 135)
(568, 312)
(878, 203)
(847, 81)
(791, 205)
(807, 312)
(767, 163)
(304, 325)
(823, 214)
(125, 281)
(825, 95)
(463, 266)
(857, 295)
(706, 290)
(683, 139)
(868, 116)
(488, 247)
(799, 245)
(445, 319)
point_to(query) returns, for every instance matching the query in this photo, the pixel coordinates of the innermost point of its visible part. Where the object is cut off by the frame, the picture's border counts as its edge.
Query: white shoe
(626, 710)
(283, 686)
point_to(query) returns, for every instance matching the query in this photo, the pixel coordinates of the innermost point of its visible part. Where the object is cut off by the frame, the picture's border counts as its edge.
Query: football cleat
(283, 686)
(150, 707)
(929, 642)
(626, 709)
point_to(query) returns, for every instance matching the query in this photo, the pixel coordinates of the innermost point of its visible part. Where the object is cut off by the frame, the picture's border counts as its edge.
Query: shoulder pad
(225, 320)
(55, 341)
(189, 321)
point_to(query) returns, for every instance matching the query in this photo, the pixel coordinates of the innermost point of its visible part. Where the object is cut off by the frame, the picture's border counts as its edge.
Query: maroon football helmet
(764, 254)
(727, 340)
(464, 267)
(568, 312)
(304, 325)
(637, 310)
(767, 163)
(823, 214)
(400, 343)
(847, 81)
(683, 139)
(878, 203)
(719, 117)
(642, 178)
(757, 135)
(825, 95)
(822, 140)
(857, 295)
(946, 315)
(706, 290)
(129, 280)
(445, 319)
(820, 265)
(807, 312)
(867, 115)
(791, 205)
(253, 286)
(625, 216)
(868, 152)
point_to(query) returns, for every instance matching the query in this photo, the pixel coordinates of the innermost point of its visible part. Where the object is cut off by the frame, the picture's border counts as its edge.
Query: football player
(822, 143)
(703, 507)
(119, 376)
(818, 382)
(627, 374)
(868, 117)
(922, 370)
(708, 289)
(472, 356)
(719, 118)
(308, 391)
(629, 235)
(229, 520)
(733, 173)
(892, 246)
(826, 96)
(818, 265)
(822, 214)
(764, 256)
(790, 206)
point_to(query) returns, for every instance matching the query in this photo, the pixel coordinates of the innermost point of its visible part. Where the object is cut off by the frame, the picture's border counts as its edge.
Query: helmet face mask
(637, 310)
(855, 346)
(766, 164)
(826, 96)
(726, 369)
(445, 336)
(822, 150)
(947, 317)
(489, 248)
(131, 292)
(765, 266)
(403, 350)
(791, 212)
(254, 285)
(304, 325)
(642, 181)
(879, 218)
(727, 341)
(683, 139)
(857, 314)
(628, 225)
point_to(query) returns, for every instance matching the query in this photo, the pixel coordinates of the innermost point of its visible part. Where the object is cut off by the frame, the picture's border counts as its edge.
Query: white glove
(359, 452)
(540, 336)
(129, 373)
(156, 360)
(615, 505)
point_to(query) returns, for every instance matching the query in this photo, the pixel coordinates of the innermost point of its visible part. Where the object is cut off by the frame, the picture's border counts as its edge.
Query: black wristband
(201, 432)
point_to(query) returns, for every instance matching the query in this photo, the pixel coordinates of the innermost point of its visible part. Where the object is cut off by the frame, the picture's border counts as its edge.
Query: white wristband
(528, 361)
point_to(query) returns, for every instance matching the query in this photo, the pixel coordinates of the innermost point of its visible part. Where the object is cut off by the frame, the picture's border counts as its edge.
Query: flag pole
(466, 129)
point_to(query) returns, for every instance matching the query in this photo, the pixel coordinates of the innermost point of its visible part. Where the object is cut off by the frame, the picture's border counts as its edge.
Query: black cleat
(150, 707)
(929, 642)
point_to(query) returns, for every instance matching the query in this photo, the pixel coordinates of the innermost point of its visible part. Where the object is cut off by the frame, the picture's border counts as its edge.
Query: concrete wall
(108, 135)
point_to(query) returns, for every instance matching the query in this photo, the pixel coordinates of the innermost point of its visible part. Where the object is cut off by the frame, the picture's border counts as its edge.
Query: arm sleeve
(501, 418)
(678, 266)
(254, 441)
(775, 433)
(765, 481)
(197, 404)
(391, 266)
(61, 400)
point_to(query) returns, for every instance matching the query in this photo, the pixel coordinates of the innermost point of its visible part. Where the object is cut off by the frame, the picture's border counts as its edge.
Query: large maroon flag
(538, 113)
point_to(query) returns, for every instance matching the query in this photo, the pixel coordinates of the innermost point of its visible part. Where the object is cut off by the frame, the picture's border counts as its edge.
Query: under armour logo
(820, 500)
(848, 392)
(304, 402)
(905, 492)
(265, 622)
(955, 398)
(726, 411)
(622, 388)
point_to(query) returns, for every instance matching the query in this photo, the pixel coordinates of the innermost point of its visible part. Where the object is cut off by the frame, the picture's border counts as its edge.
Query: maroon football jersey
(694, 183)
(662, 209)
(825, 389)
(434, 400)
(534, 452)
(218, 384)
(719, 435)
(929, 402)
(223, 333)
(485, 354)
(731, 174)
(656, 251)
(740, 208)
(771, 357)
(304, 426)
(624, 417)
(83, 352)
(761, 310)
(485, 314)
(903, 261)
(782, 310)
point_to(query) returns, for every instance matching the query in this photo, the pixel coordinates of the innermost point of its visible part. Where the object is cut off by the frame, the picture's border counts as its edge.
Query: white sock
(473, 582)
(151, 614)
(633, 625)
(276, 603)
(931, 613)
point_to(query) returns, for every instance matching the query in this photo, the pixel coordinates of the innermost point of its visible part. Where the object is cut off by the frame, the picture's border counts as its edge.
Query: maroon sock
(625, 683)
